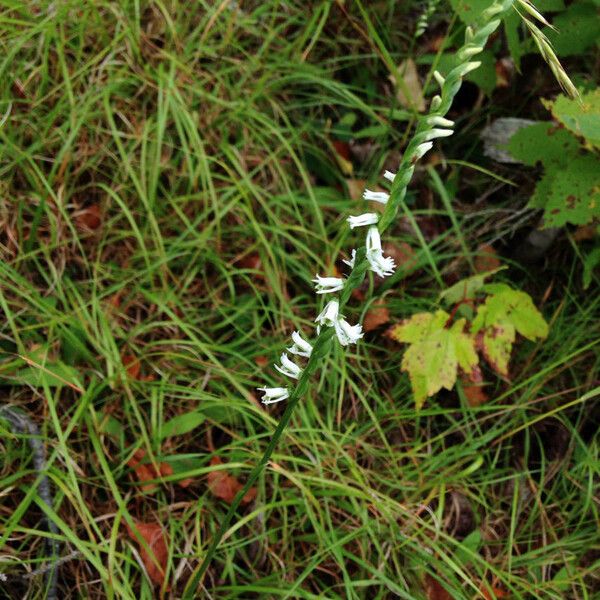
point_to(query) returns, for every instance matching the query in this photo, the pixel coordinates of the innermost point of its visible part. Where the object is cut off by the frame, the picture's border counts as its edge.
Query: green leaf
(467, 288)
(497, 343)
(470, 10)
(582, 117)
(543, 142)
(576, 29)
(573, 193)
(435, 353)
(590, 262)
(181, 424)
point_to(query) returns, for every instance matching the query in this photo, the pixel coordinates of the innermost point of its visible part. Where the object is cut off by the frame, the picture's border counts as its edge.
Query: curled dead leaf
(88, 218)
(225, 486)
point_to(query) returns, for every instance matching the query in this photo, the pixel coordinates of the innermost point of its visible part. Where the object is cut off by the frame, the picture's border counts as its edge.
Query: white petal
(300, 347)
(437, 121)
(381, 265)
(381, 197)
(439, 78)
(272, 395)
(438, 133)
(468, 67)
(330, 313)
(423, 149)
(389, 175)
(327, 285)
(373, 239)
(352, 260)
(362, 220)
(346, 333)
(288, 368)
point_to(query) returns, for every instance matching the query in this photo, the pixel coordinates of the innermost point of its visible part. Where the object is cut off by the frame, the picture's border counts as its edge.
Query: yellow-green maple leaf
(435, 352)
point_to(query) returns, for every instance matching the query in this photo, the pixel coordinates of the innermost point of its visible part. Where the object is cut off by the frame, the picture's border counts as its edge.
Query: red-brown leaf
(225, 486)
(486, 259)
(148, 471)
(156, 557)
(435, 590)
(376, 316)
(89, 218)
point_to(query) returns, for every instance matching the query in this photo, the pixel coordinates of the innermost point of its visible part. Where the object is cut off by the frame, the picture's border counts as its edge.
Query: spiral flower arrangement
(331, 322)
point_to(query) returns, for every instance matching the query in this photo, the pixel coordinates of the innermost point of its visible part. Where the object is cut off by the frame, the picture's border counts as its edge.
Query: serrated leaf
(435, 353)
(508, 306)
(581, 116)
(465, 289)
(419, 326)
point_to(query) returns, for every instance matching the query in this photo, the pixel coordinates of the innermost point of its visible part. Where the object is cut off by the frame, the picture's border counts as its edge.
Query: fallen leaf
(132, 365)
(486, 259)
(434, 352)
(376, 316)
(495, 594)
(225, 486)
(435, 590)
(402, 253)
(473, 387)
(410, 93)
(147, 471)
(89, 218)
(155, 558)
(356, 187)
(250, 261)
(342, 156)
(261, 361)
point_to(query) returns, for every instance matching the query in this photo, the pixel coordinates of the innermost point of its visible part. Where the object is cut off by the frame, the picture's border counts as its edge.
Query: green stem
(356, 277)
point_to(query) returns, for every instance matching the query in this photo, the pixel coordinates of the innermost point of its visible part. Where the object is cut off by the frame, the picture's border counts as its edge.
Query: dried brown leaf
(156, 557)
(225, 486)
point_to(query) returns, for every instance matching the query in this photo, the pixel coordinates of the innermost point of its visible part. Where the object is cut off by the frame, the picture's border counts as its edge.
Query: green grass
(203, 134)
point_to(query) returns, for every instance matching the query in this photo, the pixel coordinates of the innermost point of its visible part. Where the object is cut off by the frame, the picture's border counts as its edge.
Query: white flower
(330, 314)
(380, 264)
(272, 395)
(350, 262)
(437, 133)
(439, 78)
(389, 175)
(301, 347)
(328, 285)
(437, 121)
(423, 149)
(288, 368)
(436, 102)
(381, 197)
(362, 220)
(346, 333)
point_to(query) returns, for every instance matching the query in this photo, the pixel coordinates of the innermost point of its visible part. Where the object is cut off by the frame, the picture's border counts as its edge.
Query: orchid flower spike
(382, 265)
(288, 368)
(389, 176)
(328, 285)
(272, 395)
(362, 220)
(330, 314)
(350, 262)
(346, 333)
(300, 347)
(381, 197)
